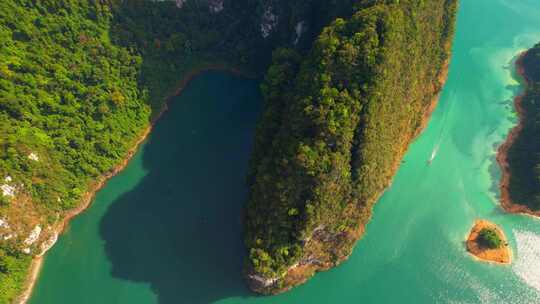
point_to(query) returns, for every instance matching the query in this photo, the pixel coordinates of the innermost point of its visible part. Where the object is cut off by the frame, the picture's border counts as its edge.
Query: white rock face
(263, 281)
(269, 22)
(8, 190)
(34, 236)
(33, 156)
(215, 6)
(299, 29)
(4, 224)
(8, 179)
(26, 250)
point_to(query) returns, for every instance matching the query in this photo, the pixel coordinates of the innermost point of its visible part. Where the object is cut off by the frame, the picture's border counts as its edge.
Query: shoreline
(498, 256)
(502, 153)
(95, 186)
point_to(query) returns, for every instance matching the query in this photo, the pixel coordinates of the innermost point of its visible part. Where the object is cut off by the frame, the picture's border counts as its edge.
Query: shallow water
(166, 230)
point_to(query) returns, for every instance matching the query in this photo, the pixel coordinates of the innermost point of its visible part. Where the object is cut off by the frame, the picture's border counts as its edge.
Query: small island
(488, 243)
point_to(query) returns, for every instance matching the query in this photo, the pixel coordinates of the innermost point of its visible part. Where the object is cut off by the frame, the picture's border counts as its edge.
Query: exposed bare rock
(269, 22)
(215, 6)
(257, 281)
(33, 156)
(4, 224)
(300, 29)
(34, 236)
(8, 190)
(45, 246)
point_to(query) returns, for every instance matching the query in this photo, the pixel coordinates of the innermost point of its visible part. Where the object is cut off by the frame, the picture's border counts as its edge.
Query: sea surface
(167, 229)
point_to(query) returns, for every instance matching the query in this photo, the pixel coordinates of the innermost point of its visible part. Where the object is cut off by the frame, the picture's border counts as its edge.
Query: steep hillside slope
(335, 128)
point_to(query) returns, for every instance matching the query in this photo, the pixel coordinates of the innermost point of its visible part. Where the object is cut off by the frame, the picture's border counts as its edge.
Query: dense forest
(82, 79)
(335, 127)
(70, 108)
(524, 153)
(347, 85)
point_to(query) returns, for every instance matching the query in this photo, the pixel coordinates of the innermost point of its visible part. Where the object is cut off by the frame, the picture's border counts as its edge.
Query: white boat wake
(434, 154)
(443, 128)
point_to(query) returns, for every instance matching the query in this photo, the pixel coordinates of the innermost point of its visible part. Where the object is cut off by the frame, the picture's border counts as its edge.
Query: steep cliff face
(336, 125)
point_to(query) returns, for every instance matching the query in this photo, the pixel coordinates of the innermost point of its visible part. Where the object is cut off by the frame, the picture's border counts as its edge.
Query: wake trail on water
(435, 150)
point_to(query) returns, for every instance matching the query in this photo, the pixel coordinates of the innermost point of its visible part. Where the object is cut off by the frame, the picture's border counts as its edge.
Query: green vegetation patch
(489, 238)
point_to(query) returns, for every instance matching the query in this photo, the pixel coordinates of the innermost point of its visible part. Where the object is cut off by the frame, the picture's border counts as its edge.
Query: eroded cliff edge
(335, 126)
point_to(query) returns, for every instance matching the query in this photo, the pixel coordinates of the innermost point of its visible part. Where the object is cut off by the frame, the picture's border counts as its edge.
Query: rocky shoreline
(502, 153)
(95, 186)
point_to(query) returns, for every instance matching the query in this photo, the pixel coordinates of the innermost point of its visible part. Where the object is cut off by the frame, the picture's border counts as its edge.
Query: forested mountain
(346, 88)
(70, 108)
(336, 125)
(82, 79)
(524, 152)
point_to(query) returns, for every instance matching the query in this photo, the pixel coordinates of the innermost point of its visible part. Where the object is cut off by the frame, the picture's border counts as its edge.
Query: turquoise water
(167, 229)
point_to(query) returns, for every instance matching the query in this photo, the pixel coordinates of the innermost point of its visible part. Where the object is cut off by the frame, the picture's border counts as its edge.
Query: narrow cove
(169, 224)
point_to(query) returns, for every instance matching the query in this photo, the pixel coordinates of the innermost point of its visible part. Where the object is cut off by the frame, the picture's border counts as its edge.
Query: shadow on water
(179, 229)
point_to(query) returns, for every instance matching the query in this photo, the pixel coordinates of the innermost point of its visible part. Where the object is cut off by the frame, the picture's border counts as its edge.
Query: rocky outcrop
(48, 244)
(33, 156)
(299, 29)
(321, 250)
(8, 189)
(33, 237)
(269, 22)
